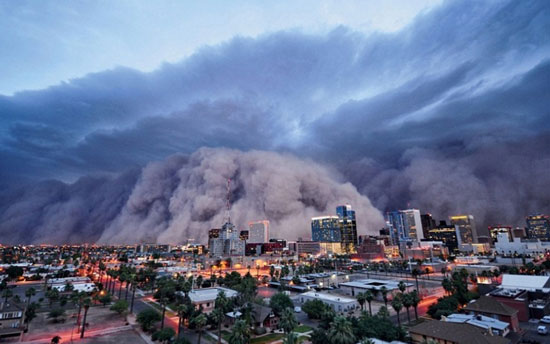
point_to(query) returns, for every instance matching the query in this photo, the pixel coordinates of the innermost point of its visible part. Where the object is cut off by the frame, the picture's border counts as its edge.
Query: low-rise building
(11, 319)
(497, 327)
(452, 333)
(491, 307)
(375, 285)
(206, 297)
(338, 303)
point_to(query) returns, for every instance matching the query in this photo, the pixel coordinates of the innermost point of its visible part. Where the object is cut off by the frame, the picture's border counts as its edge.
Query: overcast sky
(439, 105)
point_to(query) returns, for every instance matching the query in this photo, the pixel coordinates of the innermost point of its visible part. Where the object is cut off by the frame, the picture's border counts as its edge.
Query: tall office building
(428, 223)
(465, 229)
(538, 227)
(348, 228)
(326, 230)
(495, 230)
(258, 232)
(404, 225)
(446, 234)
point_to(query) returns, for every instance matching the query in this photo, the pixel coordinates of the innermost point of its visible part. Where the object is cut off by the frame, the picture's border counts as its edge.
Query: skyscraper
(428, 223)
(348, 228)
(404, 225)
(465, 229)
(258, 232)
(446, 234)
(538, 227)
(326, 230)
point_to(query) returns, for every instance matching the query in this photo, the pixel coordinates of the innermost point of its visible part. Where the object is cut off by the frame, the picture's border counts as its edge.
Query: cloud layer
(450, 114)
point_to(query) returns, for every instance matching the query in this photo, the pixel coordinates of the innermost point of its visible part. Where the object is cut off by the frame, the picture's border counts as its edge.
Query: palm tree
(397, 306)
(7, 293)
(447, 286)
(415, 301)
(290, 338)
(29, 293)
(200, 321)
(288, 320)
(341, 331)
(407, 303)
(361, 299)
(86, 303)
(369, 297)
(415, 274)
(402, 286)
(240, 334)
(384, 292)
(220, 306)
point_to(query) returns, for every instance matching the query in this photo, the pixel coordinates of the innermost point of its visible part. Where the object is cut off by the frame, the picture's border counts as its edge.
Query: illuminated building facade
(348, 228)
(465, 229)
(428, 223)
(538, 227)
(325, 229)
(446, 234)
(404, 225)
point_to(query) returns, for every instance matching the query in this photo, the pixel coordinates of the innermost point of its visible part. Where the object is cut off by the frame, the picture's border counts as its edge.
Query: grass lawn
(267, 338)
(303, 329)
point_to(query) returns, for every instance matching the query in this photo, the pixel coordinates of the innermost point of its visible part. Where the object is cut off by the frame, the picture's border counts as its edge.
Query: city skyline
(124, 124)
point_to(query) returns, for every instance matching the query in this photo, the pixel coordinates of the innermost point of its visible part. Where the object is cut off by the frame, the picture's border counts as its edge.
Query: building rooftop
(487, 304)
(375, 284)
(329, 297)
(210, 294)
(526, 282)
(478, 320)
(456, 333)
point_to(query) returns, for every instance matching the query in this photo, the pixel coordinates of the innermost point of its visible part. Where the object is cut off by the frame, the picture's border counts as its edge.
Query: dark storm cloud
(450, 114)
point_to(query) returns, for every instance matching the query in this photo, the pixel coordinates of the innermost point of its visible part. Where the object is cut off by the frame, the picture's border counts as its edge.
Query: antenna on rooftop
(228, 202)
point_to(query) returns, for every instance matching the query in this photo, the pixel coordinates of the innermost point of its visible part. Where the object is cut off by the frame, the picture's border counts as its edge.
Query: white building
(258, 232)
(336, 302)
(497, 327)
(374, 285)
(206, 297)
(413, 223)
(526, 282)
(503, 245)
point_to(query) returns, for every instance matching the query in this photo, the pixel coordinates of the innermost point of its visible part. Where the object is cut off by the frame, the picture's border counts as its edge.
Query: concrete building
(258, 231)
(446, 332)
(495, 230)
(497, 327)
(404, 225)
(339, 304)
(504, 246)
(11, 319)
(538, 227)
(465, 229)
(491, 307)
(375, 285)
(206, 297)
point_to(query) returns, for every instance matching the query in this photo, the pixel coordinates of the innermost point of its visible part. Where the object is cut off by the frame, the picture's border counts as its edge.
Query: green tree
(56, 313)
(121, 307)
(147, 318)
(86, 303)
(240, 334)
(341, 332)
(288, 321)
(361, 298)
(406, 299)
(279, 302)
(402, 286)
(313, 308)
(164, 335)
(220, 307)
(52, 295)
(415, 300)
(29, 293)
(384, 293)
(397, 305)
(290, 338)
(369, 297)
(7, 293)
(199, 321)
(30, 313)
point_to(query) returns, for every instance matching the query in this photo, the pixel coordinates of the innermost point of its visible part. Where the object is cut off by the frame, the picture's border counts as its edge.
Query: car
(545, 319)
(542, 330)
(297, 309)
